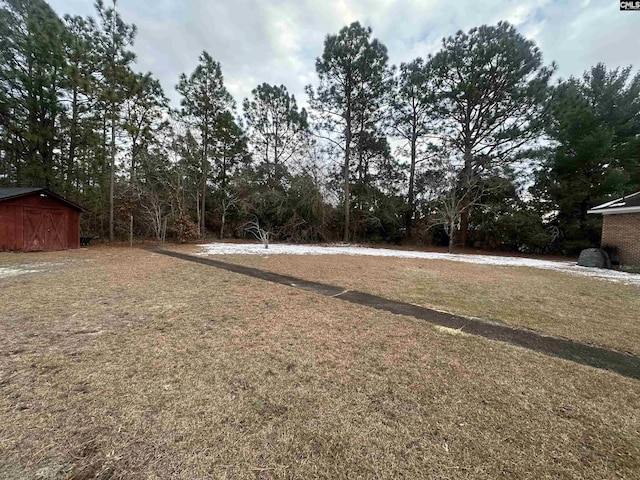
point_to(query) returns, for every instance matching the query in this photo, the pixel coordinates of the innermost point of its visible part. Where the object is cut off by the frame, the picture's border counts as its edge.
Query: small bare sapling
(260, 233)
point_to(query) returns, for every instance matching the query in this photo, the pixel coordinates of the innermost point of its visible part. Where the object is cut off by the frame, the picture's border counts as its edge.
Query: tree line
(473, 145)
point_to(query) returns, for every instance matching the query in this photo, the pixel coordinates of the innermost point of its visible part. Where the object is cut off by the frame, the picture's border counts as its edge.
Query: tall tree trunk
(452, 232)
(412, 176)
(203, 195)
(347, 148)
(198, 212)
(72, 141)
(134, 154)
(113, 124)
(464, 215)
(224, 171)
(131, 230)
(112, 173)
(132, 184)
(276, 174)
(224, 214)
(224, 191)
(103, 168)
(347, 205)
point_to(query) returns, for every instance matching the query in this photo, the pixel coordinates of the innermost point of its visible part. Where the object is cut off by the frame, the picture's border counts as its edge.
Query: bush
(574, 247)
(185, 229)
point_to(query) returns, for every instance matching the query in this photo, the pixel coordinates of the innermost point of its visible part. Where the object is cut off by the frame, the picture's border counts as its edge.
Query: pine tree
(79, 121)
(491, 88)
(354, 84)
(144, 108)
(596, 132)
(231, 156)
(411, 120)
(278, 131)
(32, 66)
(204, 98)
(115, 37)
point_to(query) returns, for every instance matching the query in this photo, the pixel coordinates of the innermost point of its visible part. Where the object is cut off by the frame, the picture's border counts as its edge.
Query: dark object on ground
(594, 257)
(85, 241)
(622, 363)
(613, 255)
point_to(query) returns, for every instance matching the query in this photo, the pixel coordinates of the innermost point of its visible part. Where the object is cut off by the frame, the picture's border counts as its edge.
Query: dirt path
(622, 363)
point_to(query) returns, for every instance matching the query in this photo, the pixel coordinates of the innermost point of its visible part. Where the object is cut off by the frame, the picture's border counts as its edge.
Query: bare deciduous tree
(457, 198)
(226, 204)
(154, 211)
(259, 232)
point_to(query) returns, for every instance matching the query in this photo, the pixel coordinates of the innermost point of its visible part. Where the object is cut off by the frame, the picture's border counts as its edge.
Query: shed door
(34, 230)
(56, 234)
(44, 229)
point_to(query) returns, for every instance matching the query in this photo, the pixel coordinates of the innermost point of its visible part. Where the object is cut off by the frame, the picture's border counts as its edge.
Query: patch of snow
(6, 272)
(287, 249)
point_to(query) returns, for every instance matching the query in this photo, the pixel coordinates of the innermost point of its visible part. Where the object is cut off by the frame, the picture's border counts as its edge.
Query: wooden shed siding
(622, 231)
(12, 222)
(73, 232)
(10, 227)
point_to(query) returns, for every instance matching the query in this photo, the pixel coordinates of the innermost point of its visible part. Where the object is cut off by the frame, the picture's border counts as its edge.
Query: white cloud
(277, 41)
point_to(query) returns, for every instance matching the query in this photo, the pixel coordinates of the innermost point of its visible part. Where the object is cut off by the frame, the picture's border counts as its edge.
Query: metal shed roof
(16, 192)
(10, 193)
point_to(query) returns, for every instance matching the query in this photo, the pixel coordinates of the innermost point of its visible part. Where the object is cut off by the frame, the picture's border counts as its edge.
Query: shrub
(185, 229)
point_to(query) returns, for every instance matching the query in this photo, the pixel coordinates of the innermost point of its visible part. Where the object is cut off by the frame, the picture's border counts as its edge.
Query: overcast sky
(277, 41)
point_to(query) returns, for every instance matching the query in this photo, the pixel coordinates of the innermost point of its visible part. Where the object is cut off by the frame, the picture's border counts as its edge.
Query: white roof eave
(614, 210)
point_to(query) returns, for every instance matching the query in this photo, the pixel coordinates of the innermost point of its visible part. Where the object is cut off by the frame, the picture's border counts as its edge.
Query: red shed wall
(73, 229)
(13, 214)
(10, 227)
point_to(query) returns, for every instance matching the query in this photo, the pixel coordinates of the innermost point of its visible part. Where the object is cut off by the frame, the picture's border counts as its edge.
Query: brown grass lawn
(580, 308)
(124, 364)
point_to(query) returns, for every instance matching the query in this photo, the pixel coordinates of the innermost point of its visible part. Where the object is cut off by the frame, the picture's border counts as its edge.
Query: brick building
(621, 228)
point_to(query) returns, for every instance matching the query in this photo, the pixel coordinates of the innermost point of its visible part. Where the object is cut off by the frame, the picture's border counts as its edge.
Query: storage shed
(37, 219)
(621, 228)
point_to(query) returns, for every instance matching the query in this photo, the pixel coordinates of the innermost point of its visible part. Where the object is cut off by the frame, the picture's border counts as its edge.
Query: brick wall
(622, 230)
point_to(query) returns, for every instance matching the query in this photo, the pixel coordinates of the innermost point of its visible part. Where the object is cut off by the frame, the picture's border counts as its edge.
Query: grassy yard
(123, 364)
(580, 308)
